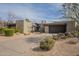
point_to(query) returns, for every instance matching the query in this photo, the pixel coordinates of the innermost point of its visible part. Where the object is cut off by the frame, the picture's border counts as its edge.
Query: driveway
(21, 44)
(27, 45)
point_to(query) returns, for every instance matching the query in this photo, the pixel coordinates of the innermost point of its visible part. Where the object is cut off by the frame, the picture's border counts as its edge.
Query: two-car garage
(57, 28)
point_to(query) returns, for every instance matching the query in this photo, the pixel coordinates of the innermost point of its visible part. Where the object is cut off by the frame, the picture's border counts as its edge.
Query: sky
(32, 11)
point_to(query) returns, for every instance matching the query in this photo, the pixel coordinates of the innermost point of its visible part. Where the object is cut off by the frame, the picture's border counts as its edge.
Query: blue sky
(34, 11)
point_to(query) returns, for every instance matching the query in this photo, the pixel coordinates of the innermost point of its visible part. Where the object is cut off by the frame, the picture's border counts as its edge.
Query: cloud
(32, 11)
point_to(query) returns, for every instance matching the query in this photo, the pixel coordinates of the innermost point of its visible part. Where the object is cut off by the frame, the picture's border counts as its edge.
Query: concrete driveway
(27, 45)
(21, 44)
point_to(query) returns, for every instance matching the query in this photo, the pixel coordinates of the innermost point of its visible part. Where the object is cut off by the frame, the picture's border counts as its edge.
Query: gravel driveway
(27, 45)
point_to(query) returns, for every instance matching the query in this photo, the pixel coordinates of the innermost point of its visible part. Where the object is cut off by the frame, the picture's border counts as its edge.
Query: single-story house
(46, 27)
(58, 27)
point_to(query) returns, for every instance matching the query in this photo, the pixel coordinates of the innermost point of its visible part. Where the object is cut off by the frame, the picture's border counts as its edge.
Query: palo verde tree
(71, 10)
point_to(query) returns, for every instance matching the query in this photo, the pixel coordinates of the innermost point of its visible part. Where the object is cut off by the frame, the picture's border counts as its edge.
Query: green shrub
(9, 32)
(73, 41)
(16, 30)
(68, 35)
(61, 35)
(56, 37)
(75, 34)
(47, 43)
(1, 30)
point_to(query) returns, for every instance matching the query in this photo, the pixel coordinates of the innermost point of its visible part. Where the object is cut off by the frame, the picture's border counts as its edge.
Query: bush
(47, 43)
(75, 41)
(75, 34)
(9, 32)
(68, 34)
(1, 30)
(56, 37)
(16, 30)
(61, 35)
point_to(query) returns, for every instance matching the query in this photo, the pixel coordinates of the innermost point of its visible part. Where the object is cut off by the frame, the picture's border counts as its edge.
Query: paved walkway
(24, 45)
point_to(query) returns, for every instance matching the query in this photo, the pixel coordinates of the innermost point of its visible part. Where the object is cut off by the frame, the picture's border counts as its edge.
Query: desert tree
(11, 17)
(71, 10)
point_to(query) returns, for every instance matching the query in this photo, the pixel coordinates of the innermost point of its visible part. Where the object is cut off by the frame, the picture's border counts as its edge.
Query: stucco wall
(27, 27)
(70, 26)
(24, 26)
(20, 25)
(46, 29)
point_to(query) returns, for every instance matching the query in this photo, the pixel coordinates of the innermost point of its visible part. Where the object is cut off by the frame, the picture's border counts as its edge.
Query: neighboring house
(24, 26)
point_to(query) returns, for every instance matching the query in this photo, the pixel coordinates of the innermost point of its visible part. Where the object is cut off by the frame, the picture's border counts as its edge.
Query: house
(24, 26)
(58, 27)
(44, 27)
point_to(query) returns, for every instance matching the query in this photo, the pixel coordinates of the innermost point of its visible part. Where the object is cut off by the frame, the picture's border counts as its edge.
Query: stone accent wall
(24, 26)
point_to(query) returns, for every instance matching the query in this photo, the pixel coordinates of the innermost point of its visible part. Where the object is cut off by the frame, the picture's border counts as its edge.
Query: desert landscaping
(28, 45)
(39, 29)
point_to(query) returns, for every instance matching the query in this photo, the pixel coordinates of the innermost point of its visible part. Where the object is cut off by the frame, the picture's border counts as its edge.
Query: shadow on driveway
(37, 49)
(33, 39)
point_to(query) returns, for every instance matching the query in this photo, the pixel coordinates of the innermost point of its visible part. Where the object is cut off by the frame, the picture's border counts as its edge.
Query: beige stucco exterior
(70, 26)
(46, 29)
(24, 26)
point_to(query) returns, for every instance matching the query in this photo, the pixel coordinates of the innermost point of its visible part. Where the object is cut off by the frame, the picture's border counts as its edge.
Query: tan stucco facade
(46, 29)
(24, 26)
(70, 26)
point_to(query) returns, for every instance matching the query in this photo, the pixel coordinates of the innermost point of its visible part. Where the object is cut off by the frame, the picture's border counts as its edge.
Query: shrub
(9, 32)
(16, 30)
(61, 35)
(56, 37)
(47, 43)
(75, 41)
(68, 34)
(75, 34)
(1, 30)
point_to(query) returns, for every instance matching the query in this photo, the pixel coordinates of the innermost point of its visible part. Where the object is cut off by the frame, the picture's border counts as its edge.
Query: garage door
(57, 28)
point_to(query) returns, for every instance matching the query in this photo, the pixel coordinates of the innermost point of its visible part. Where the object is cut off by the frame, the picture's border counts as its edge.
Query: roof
(56, 22)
